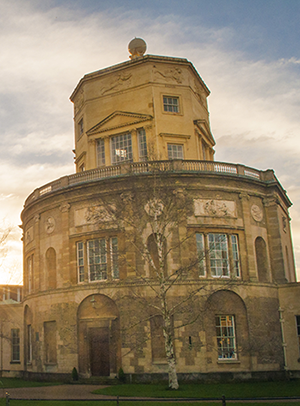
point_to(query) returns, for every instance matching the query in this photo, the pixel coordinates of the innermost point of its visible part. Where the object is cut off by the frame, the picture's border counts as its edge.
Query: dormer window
(175, 151)
(171, 104)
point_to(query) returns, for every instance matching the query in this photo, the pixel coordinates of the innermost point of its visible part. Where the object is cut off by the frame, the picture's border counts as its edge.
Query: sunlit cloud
(254, 105)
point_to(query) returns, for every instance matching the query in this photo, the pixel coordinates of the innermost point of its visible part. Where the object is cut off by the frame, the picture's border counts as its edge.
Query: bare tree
(5, 231)
(152, 214)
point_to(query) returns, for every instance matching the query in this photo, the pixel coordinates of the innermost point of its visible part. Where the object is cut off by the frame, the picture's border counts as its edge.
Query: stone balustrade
(144, 167)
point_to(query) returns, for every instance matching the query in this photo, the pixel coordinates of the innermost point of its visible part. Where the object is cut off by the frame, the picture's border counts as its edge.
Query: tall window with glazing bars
(15, 345)
(218, 255)
(100, 257)
(226, 337)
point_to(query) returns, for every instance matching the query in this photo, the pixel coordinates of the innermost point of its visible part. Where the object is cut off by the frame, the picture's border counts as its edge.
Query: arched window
(261, 260)
(51, 267)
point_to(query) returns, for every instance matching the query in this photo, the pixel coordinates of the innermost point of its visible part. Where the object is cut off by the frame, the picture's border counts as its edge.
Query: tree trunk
(168, 335)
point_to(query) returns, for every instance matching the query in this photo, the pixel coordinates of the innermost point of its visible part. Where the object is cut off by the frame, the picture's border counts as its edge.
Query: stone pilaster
(37, 271)
(244, 197)
(64, 267)
(274, 239)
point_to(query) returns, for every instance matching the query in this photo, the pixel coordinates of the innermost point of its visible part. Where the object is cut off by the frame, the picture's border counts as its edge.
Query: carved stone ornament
(256, 212)
(117, 83)
(50, 225)
(169, 75)
(29, 235)
(64, 207)
(154, 208)
(98, 214)
(127, 197)
(215, 208)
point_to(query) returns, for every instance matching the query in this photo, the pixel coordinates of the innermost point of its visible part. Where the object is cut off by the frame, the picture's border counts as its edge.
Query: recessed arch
(261, 260)
(98, 336)
(51, 267)
(224, 305)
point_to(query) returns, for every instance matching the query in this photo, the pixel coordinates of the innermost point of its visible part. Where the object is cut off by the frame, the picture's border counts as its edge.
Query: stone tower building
(143, 151)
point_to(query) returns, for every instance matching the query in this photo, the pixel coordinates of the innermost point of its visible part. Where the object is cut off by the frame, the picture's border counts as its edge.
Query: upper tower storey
(148, 108)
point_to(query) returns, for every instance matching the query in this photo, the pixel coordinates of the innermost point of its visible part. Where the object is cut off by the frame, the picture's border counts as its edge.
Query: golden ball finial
(137, 47)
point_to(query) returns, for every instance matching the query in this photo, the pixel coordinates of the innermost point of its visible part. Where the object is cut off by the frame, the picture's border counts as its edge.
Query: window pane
(97, 259)
(218, 252)
(80, 128)
(204, 151)
(175, 151)
(121, 148)
(171, 104)
(201, 254)
(114, 257)
(235, 255)
(100, 152)
(80, 262)
(15, 342)
(142, 144)
(226, 337)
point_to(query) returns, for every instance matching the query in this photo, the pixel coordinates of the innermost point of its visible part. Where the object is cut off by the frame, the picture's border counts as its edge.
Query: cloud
(45, 50)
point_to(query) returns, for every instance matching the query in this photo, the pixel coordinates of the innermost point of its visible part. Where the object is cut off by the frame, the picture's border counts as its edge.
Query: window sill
(51, 364)
(15, 362)
(228, 361)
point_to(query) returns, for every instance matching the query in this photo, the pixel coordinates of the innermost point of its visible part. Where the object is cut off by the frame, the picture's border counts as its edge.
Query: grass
(21, 383)
(135, 403)
(230, 390)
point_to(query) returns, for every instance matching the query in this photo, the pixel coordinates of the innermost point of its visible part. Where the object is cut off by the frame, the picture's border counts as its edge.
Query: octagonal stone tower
(142, 126)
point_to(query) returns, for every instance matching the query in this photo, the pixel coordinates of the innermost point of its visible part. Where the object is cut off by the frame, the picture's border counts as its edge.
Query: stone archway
(99, 336)
(225, 304)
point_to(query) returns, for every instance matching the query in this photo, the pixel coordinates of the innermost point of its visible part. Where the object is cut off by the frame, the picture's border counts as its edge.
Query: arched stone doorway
(99, 336)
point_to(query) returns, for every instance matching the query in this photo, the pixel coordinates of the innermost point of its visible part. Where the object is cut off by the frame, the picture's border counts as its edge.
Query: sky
(246, 51)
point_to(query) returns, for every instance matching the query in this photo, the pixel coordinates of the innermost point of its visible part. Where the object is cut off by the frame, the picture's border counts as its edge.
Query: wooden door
(99, 351)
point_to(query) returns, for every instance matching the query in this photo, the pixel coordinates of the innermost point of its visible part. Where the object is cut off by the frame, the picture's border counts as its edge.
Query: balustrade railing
(143, 167)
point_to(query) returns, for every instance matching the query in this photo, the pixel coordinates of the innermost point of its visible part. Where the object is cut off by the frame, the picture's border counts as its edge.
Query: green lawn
(236, 390)
(137, 403)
